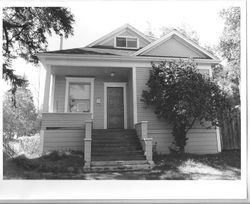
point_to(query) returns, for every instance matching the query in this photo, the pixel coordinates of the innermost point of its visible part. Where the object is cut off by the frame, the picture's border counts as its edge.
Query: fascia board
(45, 56)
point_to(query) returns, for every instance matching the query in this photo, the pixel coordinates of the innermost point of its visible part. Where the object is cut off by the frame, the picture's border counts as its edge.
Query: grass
(222, 166)
(59, 165)
(28, 164)
(46, 167)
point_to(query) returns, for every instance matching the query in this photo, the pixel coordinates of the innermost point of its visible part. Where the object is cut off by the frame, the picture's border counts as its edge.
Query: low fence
(231, 131)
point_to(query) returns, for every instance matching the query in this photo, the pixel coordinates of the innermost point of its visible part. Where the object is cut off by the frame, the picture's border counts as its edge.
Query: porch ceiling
(91, 71)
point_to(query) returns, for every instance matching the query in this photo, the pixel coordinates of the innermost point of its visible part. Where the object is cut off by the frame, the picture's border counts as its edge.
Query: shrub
(181, 95)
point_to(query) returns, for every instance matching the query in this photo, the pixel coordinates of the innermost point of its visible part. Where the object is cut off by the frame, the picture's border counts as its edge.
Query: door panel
(115, 108)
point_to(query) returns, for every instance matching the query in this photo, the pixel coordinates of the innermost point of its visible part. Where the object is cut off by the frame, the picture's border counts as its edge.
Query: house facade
(99, 87)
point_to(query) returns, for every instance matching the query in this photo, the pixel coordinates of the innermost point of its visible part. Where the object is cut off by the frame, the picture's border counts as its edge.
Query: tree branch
(7, 40)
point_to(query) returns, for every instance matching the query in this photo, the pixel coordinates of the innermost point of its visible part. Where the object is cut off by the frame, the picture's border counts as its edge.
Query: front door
(115, 108)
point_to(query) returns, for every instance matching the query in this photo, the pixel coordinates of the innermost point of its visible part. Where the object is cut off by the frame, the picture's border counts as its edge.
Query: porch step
(116, 145)
(118, 157)
(127, 149)
(117, 150)
(114, 166)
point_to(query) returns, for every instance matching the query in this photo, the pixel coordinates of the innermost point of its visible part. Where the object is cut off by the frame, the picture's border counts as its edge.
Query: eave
(46, 58)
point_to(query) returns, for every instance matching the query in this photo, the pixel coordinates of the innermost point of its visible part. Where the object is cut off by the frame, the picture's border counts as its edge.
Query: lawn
(58, 165)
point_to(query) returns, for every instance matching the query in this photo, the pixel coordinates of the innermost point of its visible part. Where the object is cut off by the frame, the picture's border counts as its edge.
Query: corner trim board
(218, 139)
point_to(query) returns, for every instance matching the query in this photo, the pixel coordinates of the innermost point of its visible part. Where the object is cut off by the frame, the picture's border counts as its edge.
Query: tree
(185, 30)
(22, 119)
(230, 48)
(178, 93)
(25, 32)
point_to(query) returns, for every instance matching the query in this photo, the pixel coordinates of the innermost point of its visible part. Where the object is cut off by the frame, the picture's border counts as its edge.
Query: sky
(97, 18)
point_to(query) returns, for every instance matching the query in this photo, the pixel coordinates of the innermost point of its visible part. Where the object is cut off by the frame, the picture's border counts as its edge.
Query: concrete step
(111, 163)
(114, 166)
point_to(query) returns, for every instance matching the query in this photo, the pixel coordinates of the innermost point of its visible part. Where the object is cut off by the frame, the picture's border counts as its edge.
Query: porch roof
(97, 50)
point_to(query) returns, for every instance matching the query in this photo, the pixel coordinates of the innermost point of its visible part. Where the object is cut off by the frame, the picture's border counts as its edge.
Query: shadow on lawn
(223, 166)
(51, 166)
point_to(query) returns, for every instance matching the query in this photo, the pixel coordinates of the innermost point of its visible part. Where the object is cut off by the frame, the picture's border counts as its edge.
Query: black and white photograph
(125, 91)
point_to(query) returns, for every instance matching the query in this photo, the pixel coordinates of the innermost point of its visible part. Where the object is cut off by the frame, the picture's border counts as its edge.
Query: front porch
(79, 101)
(107, 93)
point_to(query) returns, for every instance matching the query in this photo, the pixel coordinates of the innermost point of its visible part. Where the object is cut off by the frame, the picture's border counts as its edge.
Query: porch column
(47, 90)
(87, 144)
(134, 95)
(52, 92)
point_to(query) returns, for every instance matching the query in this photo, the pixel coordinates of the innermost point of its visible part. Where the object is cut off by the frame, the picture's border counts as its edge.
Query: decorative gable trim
(165, 38)
(117, 32)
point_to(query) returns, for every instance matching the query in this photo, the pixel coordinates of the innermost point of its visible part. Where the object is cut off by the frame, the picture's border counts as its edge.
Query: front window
(79, 97)
(126, 42)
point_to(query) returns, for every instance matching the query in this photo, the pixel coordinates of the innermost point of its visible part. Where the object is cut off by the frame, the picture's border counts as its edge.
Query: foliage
(29, 145)
(22, 120)
(181, 95)
(229, 48)
(185, 30)
(25, 32)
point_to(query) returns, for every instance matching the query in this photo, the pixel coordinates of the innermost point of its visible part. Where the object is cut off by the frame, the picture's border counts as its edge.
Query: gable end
(176, 45)
(126, 31)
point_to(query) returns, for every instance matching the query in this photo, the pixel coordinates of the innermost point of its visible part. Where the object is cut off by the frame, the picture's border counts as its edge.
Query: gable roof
(171, 46)
(117, 31)
(177, 34)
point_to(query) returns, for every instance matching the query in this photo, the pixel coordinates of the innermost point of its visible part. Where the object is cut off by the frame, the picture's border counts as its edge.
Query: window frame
(126, 37)
(79, 80)
(210, 73)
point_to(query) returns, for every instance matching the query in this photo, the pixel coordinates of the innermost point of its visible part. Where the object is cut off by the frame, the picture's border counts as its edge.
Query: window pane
(132, 42)
(121, 42)
(79, 97)
(79, 105)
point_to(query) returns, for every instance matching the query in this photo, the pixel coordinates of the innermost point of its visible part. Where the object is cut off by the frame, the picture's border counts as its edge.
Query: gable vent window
(126, 42)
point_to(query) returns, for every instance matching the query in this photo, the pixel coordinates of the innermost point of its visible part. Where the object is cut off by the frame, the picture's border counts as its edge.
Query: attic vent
(126, 42)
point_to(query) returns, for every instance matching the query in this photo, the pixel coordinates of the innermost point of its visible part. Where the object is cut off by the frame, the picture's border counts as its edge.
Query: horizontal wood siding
(64, 119)
(63, 140)
(175, 47)
(98, 108)
(201, 140)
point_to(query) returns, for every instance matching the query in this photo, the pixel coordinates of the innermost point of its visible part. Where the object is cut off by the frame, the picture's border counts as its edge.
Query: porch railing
(64, 120)
(147, 143)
